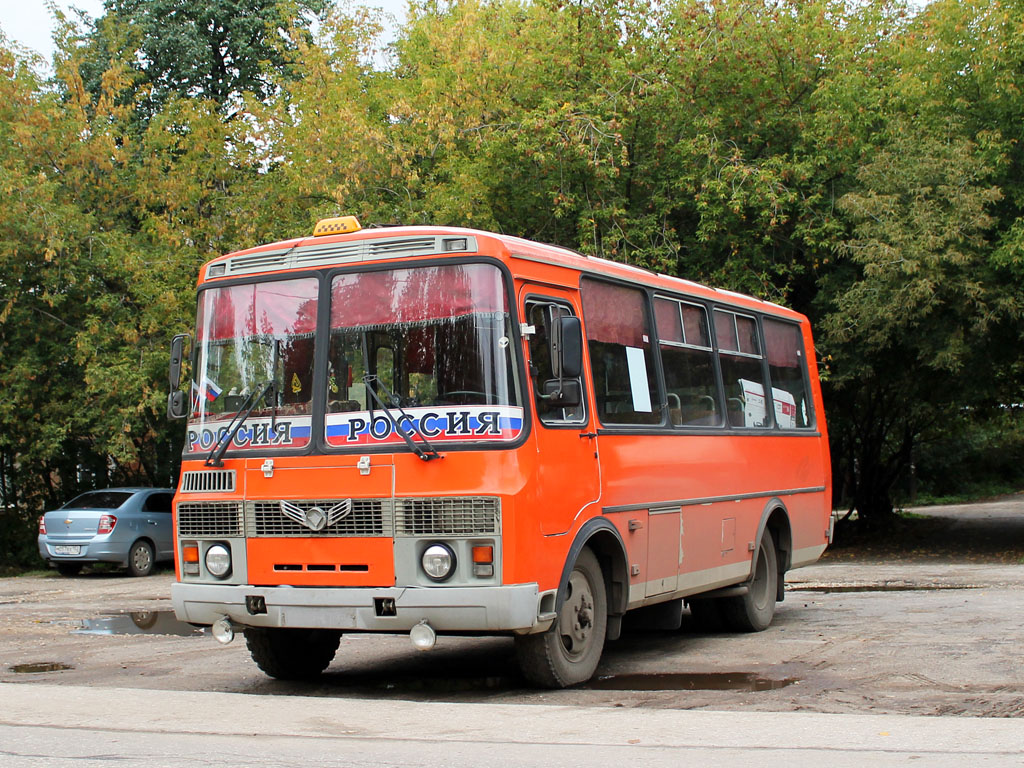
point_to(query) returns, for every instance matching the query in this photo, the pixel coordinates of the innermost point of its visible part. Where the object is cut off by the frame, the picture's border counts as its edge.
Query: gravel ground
(918, 633)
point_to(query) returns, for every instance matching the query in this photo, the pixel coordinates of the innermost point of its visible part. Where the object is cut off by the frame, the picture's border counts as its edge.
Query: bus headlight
(438, 562)
(218, 561)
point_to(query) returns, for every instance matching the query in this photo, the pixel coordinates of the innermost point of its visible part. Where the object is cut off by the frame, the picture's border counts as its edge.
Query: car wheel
(69, 569)
(140, 559)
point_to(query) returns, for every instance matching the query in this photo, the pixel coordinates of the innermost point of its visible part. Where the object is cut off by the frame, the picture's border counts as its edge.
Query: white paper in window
(638, 379)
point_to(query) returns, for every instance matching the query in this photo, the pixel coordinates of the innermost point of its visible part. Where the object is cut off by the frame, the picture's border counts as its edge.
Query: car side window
(158, 502)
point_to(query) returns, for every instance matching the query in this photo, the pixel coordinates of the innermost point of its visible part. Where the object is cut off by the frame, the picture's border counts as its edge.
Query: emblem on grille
(317, 518)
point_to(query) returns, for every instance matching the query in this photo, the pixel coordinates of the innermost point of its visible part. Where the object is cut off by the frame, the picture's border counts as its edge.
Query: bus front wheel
(292, 654)
(568, 652)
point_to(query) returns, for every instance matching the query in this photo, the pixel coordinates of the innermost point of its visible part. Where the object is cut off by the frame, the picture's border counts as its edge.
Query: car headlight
(438, 562)
(218, 561)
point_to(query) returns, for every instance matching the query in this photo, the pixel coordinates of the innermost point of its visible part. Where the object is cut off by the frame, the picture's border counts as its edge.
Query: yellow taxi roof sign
(338, 225)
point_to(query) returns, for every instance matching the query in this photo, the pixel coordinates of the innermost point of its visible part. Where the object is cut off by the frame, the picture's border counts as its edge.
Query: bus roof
(379, 244)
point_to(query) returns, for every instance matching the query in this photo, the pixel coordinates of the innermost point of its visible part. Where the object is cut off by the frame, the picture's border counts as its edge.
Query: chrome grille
(208, 481)
(454, 516)
(369, 517)
(210, 518)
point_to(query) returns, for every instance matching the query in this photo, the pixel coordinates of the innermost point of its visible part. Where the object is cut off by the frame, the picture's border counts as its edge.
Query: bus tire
(292, 654)
(569, 651)
(753, 611)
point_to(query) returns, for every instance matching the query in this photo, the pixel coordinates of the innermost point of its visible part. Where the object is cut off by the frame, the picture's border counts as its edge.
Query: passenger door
(567, 456)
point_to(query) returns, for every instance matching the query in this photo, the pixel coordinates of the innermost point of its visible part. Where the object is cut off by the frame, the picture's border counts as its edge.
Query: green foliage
(986, 458)
(216, 50)
(857, 161)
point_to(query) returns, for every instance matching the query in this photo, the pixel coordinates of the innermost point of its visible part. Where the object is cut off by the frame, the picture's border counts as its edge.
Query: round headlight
(438, 562)
(218, 561)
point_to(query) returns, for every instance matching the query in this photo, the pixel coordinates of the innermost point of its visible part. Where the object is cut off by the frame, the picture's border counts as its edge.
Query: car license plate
(67, 550)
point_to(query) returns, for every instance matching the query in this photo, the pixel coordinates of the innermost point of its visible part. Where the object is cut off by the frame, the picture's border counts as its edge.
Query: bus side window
(739, 352)
(688, 361)
(543, 317)
(621, 357)
(784, 349)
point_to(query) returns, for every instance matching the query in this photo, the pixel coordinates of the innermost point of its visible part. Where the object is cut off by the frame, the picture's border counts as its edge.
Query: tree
(197, 49)
(920, 314)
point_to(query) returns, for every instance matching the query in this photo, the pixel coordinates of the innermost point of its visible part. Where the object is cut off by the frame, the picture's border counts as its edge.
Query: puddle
(40, 666)
(710, 681)
(137, 623)
(714, 681)
(839, 588)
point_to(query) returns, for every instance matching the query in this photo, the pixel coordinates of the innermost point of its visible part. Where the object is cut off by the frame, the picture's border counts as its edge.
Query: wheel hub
(577, 616)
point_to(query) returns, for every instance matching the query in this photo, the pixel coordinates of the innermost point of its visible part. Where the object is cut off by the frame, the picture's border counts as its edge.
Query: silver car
(127, 526)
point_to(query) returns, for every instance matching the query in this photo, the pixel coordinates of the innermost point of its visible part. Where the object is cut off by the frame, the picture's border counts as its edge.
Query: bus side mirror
(565, 393)
(176, 403)
(570, 357)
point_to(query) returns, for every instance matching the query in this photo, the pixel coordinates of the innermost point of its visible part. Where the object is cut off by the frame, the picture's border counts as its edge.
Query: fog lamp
(438, 562)
(218, 561)
(423, 636)
(222, 630)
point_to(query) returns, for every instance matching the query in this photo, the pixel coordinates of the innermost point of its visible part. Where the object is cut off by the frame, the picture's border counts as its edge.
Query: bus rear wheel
(754, 611)
(568, 652)
(292, 654)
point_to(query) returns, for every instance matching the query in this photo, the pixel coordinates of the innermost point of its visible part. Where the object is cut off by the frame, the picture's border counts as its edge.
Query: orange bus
(432, 430)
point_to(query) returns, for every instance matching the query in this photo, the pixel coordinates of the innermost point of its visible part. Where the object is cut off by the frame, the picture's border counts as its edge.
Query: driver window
(543, 317)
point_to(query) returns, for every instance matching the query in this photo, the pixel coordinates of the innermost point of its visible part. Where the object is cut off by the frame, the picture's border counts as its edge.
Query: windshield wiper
(214, 457)
(430, 452)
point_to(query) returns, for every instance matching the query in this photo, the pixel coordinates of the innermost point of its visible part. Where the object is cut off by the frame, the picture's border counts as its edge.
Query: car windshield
(98, 500)
(255, 349)
(434, 341)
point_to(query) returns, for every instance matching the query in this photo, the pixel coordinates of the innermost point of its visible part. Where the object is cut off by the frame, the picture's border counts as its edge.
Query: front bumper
(511, 608)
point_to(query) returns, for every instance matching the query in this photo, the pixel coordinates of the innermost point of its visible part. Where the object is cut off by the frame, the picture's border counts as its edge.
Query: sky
(30, 23)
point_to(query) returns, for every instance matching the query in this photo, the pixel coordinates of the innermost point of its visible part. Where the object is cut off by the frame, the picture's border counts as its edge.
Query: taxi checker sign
(316, 518)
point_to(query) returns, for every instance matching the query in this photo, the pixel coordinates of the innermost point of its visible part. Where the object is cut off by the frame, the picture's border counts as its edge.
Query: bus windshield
(435, 342)
(432, 345)
(254, 339)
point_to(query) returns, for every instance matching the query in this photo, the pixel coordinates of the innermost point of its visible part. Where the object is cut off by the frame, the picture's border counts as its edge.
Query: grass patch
(917, 537)
(971, 494)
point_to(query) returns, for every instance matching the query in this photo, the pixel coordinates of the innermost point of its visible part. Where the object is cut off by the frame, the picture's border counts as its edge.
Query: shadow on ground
(985, 532)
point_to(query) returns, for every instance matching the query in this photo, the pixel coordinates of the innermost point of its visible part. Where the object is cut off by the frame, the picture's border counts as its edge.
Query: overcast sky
(30, 22)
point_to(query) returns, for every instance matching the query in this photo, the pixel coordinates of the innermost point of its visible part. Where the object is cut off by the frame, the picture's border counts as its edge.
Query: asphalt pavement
(868, 662)
(62, 727)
